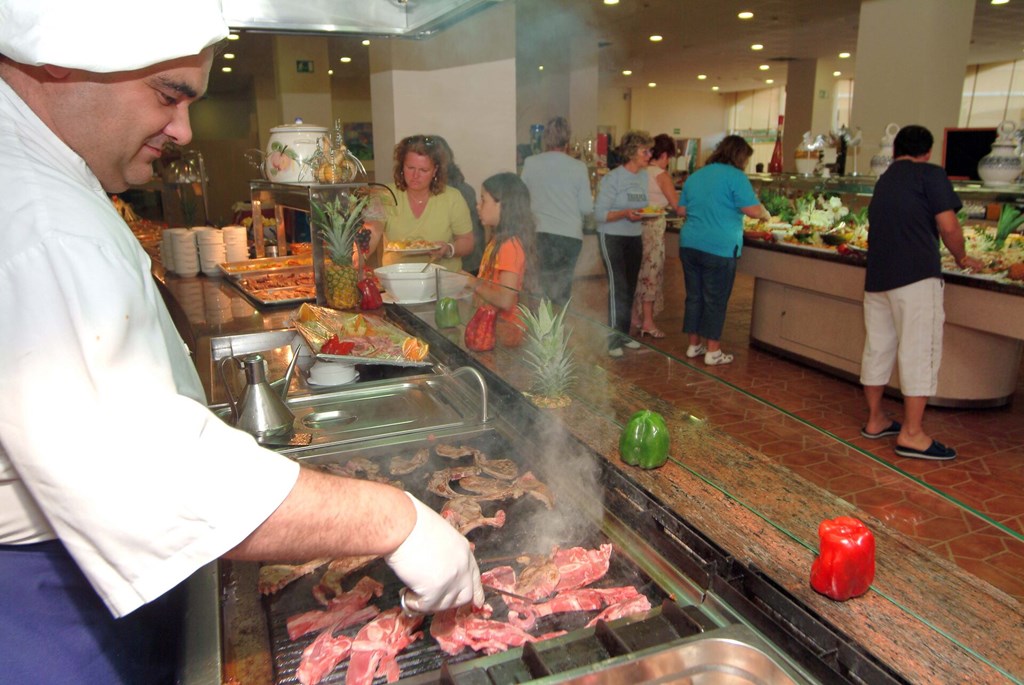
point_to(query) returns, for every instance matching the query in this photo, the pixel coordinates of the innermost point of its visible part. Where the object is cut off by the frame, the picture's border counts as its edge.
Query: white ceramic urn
(290, 152)
(881, 161)
(1001, 166)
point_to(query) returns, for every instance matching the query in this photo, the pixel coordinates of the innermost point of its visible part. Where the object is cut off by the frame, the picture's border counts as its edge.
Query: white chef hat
(107, 35)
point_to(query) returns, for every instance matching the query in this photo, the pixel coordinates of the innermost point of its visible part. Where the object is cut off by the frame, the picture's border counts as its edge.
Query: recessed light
(345, 60)
(769, 81)
(1000, 2)
(229, 55)
(226, 70)
(233, 36)
(540, 68)
(757, 46)
(652, 84)
(701, 77)
(837, 73)
(764, 67)
(745, 15)
(627, 72)
(611, 2)
(330, 72)
(656, 38)
(366, 42)
(714, 87)
(844, 55)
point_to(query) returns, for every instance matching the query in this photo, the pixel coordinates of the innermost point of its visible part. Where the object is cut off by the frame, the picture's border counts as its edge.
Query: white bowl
(408, 283)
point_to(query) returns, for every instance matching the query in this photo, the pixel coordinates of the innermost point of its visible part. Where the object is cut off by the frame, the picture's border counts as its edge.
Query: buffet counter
(924, 619)
(808, 305)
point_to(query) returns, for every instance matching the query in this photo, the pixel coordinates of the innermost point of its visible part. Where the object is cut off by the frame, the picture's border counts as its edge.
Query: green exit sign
(304, 66)
(675, 131)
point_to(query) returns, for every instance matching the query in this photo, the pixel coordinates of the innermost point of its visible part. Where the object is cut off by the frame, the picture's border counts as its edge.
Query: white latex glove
(437, 565)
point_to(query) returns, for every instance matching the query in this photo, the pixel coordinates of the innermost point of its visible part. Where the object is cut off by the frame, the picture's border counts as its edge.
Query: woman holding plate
(430, 220)
(661, 194)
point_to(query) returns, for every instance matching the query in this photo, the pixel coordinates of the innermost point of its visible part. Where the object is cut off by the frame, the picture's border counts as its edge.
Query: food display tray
(264, 265)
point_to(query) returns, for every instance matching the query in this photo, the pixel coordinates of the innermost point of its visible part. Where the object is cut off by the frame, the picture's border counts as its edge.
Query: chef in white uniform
(116, 482)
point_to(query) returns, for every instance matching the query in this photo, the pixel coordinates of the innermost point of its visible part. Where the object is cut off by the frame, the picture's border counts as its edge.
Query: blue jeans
(708, 279)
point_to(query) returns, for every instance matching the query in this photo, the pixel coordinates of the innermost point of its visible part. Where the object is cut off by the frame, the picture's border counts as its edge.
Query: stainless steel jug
(260, 411)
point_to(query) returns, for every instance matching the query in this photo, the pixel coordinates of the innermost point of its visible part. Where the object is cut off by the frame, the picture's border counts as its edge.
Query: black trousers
(622, 256)
(557, 256)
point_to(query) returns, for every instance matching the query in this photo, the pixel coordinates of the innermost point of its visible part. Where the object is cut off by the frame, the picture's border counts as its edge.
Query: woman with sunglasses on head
(427, 209)
(621, 199)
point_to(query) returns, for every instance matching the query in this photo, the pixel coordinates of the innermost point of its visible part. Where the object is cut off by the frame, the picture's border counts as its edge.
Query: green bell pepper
(446, 313)
(644, 440)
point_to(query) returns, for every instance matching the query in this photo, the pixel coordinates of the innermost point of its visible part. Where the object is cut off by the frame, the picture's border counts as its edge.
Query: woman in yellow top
(427, 210)
(504, 207)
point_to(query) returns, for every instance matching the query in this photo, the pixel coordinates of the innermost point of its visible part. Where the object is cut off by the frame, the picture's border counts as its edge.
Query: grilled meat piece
(440, 481)
(403, 466)
(450, 452)
(465, 514)
(273, 577)
(627, 607)
(329, 586)
(503, 469)
(467, 626)
(377, 645)
(346, 609)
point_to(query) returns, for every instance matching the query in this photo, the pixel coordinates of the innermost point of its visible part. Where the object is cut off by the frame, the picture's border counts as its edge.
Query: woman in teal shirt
(713, 201)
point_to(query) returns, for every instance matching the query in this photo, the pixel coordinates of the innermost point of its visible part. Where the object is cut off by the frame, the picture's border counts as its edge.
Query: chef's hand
(437, 565)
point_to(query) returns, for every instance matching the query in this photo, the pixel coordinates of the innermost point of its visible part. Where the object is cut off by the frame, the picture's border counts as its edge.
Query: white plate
(411, 250)
(353, 379)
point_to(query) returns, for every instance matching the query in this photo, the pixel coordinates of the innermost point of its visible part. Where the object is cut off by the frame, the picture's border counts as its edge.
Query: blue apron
(54, 628)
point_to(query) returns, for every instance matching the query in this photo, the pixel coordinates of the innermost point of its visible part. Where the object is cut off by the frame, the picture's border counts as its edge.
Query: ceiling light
(611, 2)
(844, 55)
(229, 55)
(769, 81)
(757, 46)
(366, 41)
(1000, 2)
(656, 38)
(627, 72)
(764, 67)
(745, 15)
(226, 70)
(701, 77)
(330, 72)
(652, 84)
(837, 73)
(345, 60)
(714, 88)
(233, 36)
(540, 68)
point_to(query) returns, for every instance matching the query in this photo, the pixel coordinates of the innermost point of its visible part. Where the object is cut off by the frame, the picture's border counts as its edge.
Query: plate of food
(652, 211)
(411, 247)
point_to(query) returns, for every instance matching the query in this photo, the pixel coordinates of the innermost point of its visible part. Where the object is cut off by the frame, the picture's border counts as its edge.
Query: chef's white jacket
(105, 440)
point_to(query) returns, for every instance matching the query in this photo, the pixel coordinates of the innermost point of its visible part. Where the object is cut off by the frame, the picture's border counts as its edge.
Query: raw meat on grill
(578, 567)
(468, 626)
(523, 615)
(501, 577)
(450, 452)
(627, 607)
(465, 514)
(273, 577)
(355, 467)
(536, 489)
(322, 656)
(504, 469)
(440, 482)
(346, 609)
(329, 586)
(403, 466)
(378, 643)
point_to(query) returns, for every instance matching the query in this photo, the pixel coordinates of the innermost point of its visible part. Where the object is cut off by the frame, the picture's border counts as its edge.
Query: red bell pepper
(845, 566)
(371, 294)
(480, 331)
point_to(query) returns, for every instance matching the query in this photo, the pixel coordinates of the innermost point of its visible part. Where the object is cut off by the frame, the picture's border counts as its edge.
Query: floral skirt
(652, 270)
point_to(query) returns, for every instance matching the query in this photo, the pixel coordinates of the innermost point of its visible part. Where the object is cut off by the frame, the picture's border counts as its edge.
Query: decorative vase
(807, 155)
(881, 161)
(1001, 166)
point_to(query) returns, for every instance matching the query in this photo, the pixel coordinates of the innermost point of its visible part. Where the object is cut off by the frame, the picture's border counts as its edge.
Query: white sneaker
(695, 350)
(717, 358)
(615, 352)
(632, 344)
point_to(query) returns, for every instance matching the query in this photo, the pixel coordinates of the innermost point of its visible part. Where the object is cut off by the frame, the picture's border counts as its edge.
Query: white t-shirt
(105, 441)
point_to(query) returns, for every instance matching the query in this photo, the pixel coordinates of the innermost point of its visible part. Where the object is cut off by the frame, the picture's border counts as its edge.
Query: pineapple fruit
(546, 353)
(339, 220)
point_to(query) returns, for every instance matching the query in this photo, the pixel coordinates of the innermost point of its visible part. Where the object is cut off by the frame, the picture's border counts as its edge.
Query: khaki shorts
(904, 324)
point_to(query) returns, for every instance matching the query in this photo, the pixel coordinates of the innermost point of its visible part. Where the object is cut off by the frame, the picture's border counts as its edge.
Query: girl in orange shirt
(504, 208)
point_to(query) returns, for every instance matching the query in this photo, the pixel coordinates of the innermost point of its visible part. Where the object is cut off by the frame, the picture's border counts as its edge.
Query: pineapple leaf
(547, 349)
(338, 221)
(1010, 218)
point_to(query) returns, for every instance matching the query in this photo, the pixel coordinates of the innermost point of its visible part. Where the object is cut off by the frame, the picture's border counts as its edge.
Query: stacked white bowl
(236, 244)
(166, 251)
(185, 252)
(211, 249)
